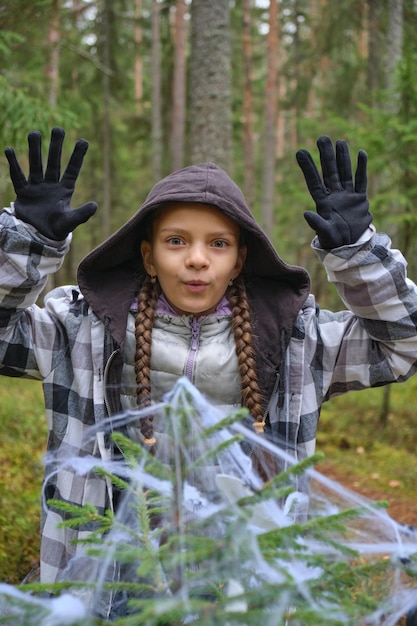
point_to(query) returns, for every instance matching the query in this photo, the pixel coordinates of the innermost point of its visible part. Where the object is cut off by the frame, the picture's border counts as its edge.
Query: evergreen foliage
(230, 557)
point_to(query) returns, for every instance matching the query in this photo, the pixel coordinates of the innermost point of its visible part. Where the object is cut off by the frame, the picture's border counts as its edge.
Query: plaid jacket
(66, 346)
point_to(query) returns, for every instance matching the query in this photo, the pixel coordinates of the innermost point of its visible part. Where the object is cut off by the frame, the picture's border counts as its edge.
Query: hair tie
(259, 427)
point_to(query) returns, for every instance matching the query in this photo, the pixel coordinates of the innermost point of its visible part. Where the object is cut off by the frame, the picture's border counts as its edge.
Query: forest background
(156, 85)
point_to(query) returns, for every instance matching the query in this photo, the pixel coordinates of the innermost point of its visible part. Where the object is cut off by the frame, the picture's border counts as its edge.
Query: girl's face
(194, 253)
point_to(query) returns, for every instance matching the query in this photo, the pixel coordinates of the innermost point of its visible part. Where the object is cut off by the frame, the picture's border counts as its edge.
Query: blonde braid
(264, 462)
(147, 300)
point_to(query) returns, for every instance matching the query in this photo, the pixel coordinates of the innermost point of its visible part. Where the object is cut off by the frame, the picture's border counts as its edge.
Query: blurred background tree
(158, 84)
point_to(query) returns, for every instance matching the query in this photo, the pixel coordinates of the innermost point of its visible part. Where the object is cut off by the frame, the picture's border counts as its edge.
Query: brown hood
(109, 276)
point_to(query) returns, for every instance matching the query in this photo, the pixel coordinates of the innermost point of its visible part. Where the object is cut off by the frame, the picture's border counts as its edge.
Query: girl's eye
(175, 241)
(220, 243)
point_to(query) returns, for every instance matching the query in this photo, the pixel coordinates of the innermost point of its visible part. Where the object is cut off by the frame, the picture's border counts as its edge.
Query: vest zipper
(195, 333)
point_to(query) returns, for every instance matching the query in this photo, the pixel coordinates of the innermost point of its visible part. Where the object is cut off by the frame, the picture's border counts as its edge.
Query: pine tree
(200, 540)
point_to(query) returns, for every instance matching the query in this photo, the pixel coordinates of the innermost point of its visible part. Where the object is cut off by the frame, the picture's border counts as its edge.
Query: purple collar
(164, 308)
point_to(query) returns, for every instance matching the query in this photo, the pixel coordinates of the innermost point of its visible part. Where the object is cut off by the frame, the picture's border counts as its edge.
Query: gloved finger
(311, 175)
(344, 165)
(316, 222)
(64, 222)
(328, 164)
(74, 164)
(16, 173)
(81, 215)
(324, 229)
(361, 178)
(35, 157)
(53, 166)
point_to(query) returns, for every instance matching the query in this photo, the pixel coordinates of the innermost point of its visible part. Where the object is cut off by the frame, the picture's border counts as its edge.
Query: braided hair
(242, 331)
(147, 300)
(264, 462)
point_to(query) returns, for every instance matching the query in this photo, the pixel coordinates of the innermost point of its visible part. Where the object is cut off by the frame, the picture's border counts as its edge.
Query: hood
(110, 275)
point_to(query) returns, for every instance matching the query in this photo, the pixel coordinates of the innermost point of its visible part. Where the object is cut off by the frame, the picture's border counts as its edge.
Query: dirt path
(401, 509)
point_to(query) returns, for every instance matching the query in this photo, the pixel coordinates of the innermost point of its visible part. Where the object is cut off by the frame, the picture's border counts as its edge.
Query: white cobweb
(215, 542)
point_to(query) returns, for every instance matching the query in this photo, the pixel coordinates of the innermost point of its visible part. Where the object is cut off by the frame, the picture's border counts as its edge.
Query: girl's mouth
(196, 286)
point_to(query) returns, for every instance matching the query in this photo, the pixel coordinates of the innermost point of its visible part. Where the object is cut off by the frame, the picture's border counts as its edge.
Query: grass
(358, 442)
(350, 435)
(23, 434)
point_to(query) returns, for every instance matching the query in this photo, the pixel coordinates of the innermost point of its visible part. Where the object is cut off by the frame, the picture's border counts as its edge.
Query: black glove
(342, 208)
(44, 201)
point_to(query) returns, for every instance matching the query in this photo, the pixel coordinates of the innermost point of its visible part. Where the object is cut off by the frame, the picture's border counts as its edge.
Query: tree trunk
(178, 98)
(312, 95)
(364, 31)
(106, 123)
(52, 75)
(249, 185)
(156, 92)
(394, 50)
(393, 56)
(270, 121)
(52, 67)
(138, 56)
(373, 55)
(210, 83)
(282, 124)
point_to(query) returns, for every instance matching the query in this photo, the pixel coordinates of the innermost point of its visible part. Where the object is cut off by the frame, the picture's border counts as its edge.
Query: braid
(264, 462)
(147, 299)
(242, 330)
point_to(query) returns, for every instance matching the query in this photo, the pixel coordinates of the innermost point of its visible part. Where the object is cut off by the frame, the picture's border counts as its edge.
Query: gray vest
(204, 351)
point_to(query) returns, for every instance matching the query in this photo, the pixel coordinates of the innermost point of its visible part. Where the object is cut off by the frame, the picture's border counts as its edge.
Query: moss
(22, 443)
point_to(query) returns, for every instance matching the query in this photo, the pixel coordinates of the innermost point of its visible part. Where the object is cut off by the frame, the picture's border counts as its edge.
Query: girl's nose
(197, 256)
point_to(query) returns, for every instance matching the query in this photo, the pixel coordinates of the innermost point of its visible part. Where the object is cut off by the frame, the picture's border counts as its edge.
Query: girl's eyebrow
(179, 230)
(171, 228)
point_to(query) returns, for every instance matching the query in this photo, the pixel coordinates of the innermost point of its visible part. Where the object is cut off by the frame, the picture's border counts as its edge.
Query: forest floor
(368, 458)
(402, 506)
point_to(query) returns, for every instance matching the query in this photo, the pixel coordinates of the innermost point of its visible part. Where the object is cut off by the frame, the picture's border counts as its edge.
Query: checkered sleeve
(374, 341)
(26, 260)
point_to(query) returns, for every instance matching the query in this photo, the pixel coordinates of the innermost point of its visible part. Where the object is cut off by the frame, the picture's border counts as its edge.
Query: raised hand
(342, 206)
(44, 200)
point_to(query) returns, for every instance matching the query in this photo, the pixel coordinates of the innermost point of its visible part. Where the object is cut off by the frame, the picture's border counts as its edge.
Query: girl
(192, 285)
